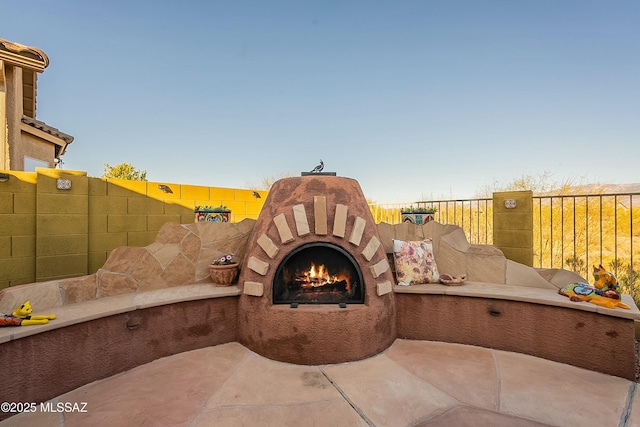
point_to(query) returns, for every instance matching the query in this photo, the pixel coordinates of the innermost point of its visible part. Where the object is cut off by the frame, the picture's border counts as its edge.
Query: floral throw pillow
(415, 262)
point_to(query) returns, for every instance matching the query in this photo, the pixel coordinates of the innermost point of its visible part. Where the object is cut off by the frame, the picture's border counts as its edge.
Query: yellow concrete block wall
(62, 223)
(17, 228)
(513, 225)
(48, 233)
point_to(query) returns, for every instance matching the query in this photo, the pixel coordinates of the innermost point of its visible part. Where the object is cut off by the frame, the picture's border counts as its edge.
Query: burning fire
(318, 276)
(321, 275)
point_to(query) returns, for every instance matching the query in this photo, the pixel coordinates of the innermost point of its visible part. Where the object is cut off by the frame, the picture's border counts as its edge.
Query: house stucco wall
(20, 133)
(36, 148)
(13, 113)
(4, 149)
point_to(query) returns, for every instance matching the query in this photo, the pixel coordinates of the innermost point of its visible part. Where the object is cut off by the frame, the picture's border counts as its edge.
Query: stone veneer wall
(480, 263)
(181, 254)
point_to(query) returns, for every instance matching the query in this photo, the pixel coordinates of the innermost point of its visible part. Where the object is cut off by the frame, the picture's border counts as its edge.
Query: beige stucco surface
(21, 134)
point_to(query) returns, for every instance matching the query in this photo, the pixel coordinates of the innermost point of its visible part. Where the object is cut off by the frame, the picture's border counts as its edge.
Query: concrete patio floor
(413, 383)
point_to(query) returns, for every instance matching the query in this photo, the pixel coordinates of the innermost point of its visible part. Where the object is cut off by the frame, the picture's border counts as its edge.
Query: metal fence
(474, 216)
(574, 232)
(577, 232)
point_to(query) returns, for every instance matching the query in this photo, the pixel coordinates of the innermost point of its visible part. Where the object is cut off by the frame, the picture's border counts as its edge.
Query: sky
(414, 99)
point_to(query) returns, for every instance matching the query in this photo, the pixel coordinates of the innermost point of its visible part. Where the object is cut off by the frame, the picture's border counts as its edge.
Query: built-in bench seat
(522, 319)
(519, 293)
(71, 314)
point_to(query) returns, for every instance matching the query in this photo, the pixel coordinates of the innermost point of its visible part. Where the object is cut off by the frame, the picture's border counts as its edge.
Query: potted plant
(418, 215)
(212, 214)
(224, 270)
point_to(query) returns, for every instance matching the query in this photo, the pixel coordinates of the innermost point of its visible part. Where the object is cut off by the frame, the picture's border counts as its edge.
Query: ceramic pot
(223, 275)
(417, 217)
(204, 216)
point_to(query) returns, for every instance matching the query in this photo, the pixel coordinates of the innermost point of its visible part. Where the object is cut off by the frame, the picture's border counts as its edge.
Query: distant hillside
(596, 189)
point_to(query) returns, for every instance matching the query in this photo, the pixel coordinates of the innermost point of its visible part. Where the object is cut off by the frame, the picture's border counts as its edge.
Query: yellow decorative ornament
(605, 292)
(605, 280)
(22, 317)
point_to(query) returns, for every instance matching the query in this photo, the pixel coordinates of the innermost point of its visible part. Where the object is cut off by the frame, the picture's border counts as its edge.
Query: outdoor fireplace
(317, 273)
(316, 283)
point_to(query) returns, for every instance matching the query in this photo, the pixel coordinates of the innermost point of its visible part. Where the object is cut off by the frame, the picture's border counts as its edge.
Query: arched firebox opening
(318, 273)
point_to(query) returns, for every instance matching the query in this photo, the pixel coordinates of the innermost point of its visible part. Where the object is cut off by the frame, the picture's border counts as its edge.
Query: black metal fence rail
(574, 232)
(474, 216)
(579, 231)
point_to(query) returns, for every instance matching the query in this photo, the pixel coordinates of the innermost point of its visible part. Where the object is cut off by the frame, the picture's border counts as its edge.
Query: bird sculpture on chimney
(318, 168)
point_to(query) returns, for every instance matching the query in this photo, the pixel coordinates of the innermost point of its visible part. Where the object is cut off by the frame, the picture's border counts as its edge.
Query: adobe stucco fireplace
(316, 281)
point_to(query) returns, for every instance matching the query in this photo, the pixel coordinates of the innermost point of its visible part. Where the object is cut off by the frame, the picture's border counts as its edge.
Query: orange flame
(319, 276)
